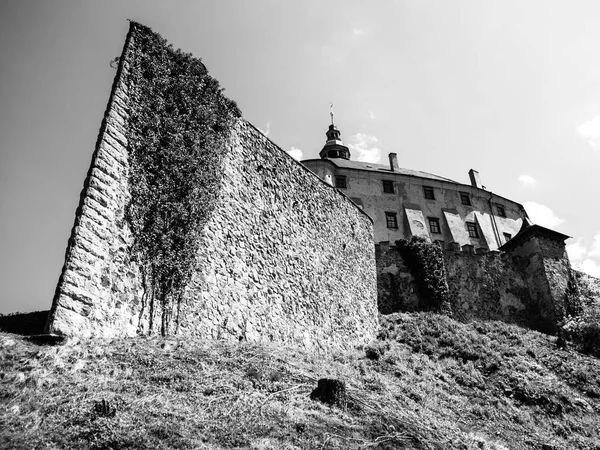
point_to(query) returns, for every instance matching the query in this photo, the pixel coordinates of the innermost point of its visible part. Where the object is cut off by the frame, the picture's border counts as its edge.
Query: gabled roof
(380, 168)
(529, 229)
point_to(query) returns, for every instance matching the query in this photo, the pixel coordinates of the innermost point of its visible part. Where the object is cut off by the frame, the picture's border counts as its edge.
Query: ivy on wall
(426, 264)
(179, 121)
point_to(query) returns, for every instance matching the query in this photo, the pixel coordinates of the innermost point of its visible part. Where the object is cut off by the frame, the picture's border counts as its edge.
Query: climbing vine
(426, 264)
(178, 123)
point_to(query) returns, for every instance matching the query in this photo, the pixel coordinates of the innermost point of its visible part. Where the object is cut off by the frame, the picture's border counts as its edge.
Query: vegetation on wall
(426, 264)
(178, 124)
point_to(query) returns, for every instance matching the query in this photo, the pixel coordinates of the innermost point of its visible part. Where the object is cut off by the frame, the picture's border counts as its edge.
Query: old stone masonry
(279, 255)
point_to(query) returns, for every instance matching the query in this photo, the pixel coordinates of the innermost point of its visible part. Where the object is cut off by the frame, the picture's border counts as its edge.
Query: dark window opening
(434, 225)
(472, 228)
(340, 182)
(391, 220)
(465, 198)
(428, 192)
(501, 210)
(507, 237)
(388, 186)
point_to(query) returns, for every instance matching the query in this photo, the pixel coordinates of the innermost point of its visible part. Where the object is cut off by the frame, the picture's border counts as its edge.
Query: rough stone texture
(396, 287)
(99, 290)
(546, 269)
(283, 257)
(487, 286)
(483, 286)
(527, 288)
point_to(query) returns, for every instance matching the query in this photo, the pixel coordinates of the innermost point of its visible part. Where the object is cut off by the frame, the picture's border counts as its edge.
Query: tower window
(391, 219)
(434, 225)
(388, 186)
(428, 192)
(472, 229)
(340, 182)
(465, 198)
(501, 211)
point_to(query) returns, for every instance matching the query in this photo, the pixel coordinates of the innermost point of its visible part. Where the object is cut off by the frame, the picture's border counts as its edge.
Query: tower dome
(334, 147)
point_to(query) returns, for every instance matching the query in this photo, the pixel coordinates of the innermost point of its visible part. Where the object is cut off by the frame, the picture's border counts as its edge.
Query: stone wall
(490, 286)
(283, 256)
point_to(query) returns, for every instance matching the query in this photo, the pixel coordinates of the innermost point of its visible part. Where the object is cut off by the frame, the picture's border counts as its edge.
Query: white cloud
(542, 215)
(296, 153)
(356, 32)
(267, 131)
(590, 131)
(576, 251)
(527, 181)
(595, 251)
(363, 146)
(586, 259)
(371, 115)
(590, 267)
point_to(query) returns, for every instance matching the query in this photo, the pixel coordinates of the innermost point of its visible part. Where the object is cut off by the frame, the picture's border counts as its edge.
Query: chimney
(475, 181)
(393, 162)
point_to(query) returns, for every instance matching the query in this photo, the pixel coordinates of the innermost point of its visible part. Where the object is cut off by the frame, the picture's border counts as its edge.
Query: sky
(508, 88)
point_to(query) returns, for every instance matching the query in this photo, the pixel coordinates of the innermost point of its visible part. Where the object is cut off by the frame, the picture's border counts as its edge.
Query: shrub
(426, 264)
(584, 331)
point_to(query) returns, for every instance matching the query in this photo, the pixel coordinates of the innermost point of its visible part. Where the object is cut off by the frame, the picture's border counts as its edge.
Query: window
(391, 220)
(500, 210)
(388, 186)
(465, 198)
(428, 192)
(472, 228)
(340, 182)
(434, 225)
(507, 237)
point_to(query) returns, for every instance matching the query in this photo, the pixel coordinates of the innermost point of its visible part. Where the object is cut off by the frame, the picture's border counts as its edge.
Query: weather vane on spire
(331, 112)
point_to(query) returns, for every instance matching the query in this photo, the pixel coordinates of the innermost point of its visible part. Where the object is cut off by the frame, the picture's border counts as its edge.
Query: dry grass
(440, 384)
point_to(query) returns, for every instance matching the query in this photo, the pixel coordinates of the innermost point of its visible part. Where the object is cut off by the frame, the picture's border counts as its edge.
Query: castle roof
(381, 168)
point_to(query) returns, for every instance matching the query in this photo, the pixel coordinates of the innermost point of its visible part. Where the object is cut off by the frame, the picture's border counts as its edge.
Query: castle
(405, 203)
(192, 222)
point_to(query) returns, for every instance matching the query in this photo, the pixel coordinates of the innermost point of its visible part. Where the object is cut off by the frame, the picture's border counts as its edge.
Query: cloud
(296, 153)
(590, 131)
(542, 215)
(590, 267)
(371, 115)
(364, 148)
(586, 259)
(267, 131)
(527, 181)
(357, 32)
(595, 251)
(576, 251)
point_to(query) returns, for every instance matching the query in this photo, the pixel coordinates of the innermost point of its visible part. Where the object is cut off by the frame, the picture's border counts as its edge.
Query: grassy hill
(428, 383)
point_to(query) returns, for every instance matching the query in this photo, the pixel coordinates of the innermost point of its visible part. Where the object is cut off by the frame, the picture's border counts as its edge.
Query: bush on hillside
(584, 331)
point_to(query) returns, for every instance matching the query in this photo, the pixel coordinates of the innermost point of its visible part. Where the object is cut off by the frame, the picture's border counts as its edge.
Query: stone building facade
(405, 203)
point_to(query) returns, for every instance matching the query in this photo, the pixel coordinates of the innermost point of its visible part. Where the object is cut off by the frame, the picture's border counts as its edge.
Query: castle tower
(334, 147)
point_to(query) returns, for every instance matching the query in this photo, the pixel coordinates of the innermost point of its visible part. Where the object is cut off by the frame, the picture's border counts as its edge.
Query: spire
(331, 113)
(334, 147)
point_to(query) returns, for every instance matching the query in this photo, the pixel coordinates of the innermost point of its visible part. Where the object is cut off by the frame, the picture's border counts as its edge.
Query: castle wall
(99, 291)
(482, 286)
(283, 256)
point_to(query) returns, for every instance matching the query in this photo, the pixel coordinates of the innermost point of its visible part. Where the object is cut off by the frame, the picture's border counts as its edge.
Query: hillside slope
(439, 384)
